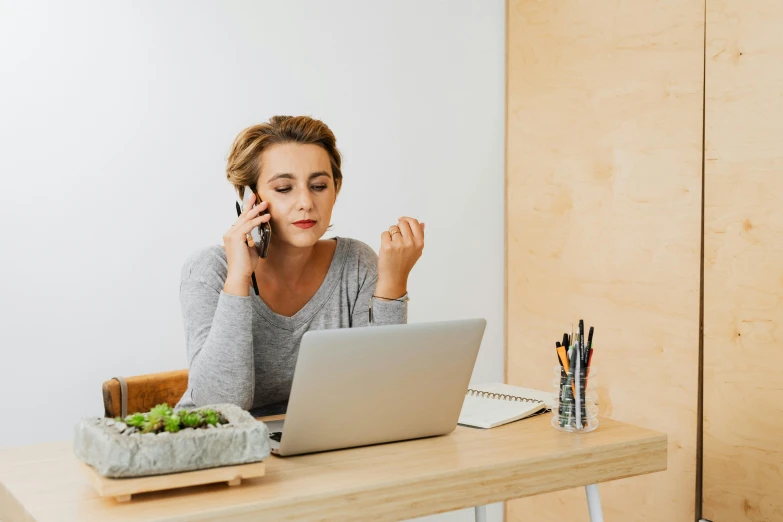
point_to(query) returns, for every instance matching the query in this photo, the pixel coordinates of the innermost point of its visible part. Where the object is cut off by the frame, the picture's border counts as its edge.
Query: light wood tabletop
(468, 467)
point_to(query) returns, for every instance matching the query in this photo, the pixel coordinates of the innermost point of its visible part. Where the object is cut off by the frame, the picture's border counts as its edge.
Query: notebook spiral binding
(502, 396)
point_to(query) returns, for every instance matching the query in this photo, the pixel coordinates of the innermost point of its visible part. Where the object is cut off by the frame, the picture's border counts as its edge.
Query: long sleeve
(382, 311)
(239, 351)
(219, 340)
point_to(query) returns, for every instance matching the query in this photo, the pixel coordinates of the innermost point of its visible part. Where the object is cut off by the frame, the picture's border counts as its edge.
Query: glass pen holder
(575, 408)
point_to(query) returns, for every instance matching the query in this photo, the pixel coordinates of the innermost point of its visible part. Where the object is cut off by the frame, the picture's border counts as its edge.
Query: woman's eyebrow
(287, 175)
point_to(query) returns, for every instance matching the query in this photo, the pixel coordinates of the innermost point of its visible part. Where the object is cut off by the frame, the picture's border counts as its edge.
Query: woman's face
(296, 181)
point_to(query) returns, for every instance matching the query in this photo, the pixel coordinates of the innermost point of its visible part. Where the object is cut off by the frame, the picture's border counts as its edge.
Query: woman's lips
(306, 223)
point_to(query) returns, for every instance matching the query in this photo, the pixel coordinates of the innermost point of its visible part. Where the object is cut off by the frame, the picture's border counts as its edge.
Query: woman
(242, 347)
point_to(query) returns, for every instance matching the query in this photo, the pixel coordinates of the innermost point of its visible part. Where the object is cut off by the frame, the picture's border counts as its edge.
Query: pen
(253, 275)
(578, 377)
(563, 358)
(589, 347)
(578, 384)
(590, 338)
(571, 337)
(557, 352)
(560, 352)
(570, 347)
(589, 363)
(570, 387)
(565, 389)
(588, 357)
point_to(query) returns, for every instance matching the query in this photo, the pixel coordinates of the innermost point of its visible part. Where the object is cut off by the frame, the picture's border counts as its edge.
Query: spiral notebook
(494, 404)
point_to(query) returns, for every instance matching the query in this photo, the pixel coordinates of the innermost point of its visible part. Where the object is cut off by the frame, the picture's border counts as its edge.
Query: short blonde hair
(243, 167)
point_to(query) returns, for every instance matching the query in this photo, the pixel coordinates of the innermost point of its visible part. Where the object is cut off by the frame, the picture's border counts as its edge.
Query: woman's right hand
(240, 250)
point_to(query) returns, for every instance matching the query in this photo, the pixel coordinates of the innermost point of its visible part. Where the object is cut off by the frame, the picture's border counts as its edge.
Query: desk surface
(395, 481)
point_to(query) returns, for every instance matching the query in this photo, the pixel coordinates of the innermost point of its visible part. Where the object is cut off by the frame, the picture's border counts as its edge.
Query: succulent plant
(211, 417)
(172, 424)
(163, 418)
(152, 425)
(136, 420)
(191, 419)
(159, 412)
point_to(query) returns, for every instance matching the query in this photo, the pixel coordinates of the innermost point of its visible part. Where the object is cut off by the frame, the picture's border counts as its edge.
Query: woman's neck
(288, 263)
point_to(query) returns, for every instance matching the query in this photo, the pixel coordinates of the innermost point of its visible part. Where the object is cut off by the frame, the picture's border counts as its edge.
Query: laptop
(375, 384)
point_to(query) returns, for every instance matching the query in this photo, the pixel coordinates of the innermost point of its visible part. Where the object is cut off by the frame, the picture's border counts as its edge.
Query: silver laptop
(359, 386)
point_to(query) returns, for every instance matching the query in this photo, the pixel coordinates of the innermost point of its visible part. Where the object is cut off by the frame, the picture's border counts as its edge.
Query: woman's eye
(284, 190)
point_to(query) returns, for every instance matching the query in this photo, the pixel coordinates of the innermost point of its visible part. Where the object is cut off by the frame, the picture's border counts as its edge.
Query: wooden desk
(468, 467)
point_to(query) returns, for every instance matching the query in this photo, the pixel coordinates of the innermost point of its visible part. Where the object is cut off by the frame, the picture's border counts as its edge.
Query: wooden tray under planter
(123, 488)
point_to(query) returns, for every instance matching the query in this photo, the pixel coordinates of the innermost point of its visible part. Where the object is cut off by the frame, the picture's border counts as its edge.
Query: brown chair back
(143, 392)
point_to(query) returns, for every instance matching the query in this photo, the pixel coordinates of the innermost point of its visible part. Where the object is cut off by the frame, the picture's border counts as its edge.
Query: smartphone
(261, 234)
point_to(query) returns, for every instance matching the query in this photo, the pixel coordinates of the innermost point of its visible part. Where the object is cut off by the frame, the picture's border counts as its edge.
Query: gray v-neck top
(241, 352)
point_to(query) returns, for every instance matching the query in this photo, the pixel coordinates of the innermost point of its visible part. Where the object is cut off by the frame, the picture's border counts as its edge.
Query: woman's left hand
(401, 247)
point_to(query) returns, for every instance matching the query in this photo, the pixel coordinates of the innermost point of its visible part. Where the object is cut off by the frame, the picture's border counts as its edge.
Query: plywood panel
(743, 264)
(604, 152)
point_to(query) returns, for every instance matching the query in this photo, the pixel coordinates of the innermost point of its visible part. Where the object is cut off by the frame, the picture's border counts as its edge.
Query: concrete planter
(100, 444)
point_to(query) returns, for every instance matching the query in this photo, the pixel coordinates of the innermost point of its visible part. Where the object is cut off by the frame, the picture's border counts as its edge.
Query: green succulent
(159, 412)
(191, 419)
(172, 424)
(152, 426)
(211, 417)
(163, 418)
(136, 420)
(162, 410)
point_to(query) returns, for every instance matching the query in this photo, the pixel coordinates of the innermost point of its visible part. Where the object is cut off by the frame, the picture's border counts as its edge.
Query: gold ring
(394, 230)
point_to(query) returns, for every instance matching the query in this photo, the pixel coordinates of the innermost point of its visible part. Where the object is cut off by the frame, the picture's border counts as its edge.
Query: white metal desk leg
(594, 503)
(481, 513)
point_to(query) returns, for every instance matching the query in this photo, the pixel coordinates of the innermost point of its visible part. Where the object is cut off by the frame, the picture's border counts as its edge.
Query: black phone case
(261, 234)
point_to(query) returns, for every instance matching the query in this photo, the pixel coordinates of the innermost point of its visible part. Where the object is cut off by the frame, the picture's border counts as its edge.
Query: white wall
(115, 121)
